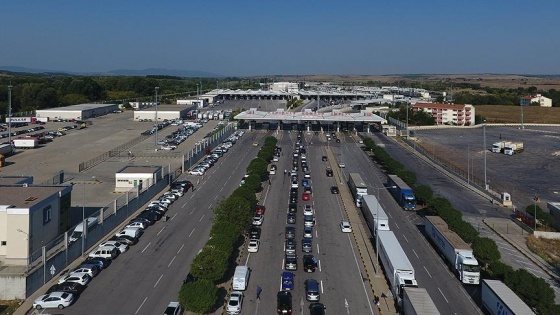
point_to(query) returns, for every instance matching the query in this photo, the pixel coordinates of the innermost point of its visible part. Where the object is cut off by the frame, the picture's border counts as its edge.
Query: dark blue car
(287, 281)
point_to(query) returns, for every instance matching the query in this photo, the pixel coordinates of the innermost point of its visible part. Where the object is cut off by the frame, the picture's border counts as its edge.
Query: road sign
(53, 270)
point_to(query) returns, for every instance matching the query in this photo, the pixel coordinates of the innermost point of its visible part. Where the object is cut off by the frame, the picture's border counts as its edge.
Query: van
(312, 290)
(107, 252)
(133, 232)
(79, 229)
(241, 278)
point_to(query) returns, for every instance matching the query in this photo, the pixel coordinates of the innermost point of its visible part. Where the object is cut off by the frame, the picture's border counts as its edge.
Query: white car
(58, 300)
(158, 203)
(345, 227)
(295, 184)
(137, 224)
(122, 248)
(78, 277)
(307, 175)
(308, 210)
(171, 196)
(91, 270)
(197, 171)
(275, 159)
(253, 246)
(341, 165)
(235, 302)
(258, 219)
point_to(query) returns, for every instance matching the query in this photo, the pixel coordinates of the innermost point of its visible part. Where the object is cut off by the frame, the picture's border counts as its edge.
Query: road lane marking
(146, 247)
(319, 263)
(397, 226)
(443, 295)
(317, 249)
(191, 232)
(247, 260)
(138, 310)
(427, 271)
(163, 228)
(202, 217)
(406, 239)
(322, 291)
(173, 217)
(180, 248)
(171, 261)
(191, 211)
(415, 254)
(209, 206)
(155, 285)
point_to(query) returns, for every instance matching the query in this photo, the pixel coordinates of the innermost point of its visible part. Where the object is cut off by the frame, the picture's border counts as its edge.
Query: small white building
(201, 102)
(137, 177)
(537, 98)
(164, 112)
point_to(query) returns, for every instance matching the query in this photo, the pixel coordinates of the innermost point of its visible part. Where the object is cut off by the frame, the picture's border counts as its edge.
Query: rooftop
(27, 196)
(140, 169)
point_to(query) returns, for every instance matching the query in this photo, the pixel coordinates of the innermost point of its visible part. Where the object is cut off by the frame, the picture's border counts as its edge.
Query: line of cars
(213, 156)
(172, 140)
(73, 282)
(310, 262)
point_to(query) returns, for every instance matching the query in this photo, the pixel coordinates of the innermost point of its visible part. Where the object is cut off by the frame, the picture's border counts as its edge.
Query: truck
(398, 269)
(358, 187)
(513, 148)
(6, 149)
(417, 301)
(376, 218)
(79, 229)
(402, 193)
(498, 147)
(457, 252)
(498, 299)
(26, 143)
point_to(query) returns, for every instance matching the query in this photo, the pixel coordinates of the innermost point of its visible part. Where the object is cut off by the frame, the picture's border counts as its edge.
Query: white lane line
(191, 211)
(155, 285)
(443, 295)
(173, 217)
(209, 206)
(191, 232)
(221, 188)
(247, 260)
(180, 248)
(171, 261)
(319, 263)
(397, 226)
(322, 291)
(406, 239)
(185, 204)
(146, 247)
(317, 249)
(216, 197)
(202, 217)
(415, 254)
(316, 234)
(282, 266)
(427, 271)
(138, 310)
(163, 228)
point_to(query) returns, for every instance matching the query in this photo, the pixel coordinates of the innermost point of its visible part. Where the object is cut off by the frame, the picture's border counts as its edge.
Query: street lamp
(485, 149)
(27, 234)
(157, 124)
(10, 114)
(375, 226)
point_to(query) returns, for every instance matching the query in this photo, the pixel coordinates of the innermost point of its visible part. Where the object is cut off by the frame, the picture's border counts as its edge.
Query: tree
(210, 264)
(423, 193)
(198, 296)
(486, 249)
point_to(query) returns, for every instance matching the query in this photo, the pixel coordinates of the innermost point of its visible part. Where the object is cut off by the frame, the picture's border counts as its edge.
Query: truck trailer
(498, 299)
(498, 147)
(398, 269)
(457, 252)
(376, 218)
(26, 143)
(358, 187)
(401, 192)
(513, 148)
(417, 301)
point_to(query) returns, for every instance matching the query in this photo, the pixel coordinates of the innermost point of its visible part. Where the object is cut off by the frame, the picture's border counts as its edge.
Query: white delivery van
(241, 278)
(134, 232)
(79, 229)
(108, 252)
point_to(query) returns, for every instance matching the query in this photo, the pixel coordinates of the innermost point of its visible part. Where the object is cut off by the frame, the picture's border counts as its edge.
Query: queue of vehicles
(201, 167)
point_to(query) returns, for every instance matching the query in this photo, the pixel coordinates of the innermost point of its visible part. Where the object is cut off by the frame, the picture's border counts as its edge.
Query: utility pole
(10, 113)
(485, 149)
(157, 123)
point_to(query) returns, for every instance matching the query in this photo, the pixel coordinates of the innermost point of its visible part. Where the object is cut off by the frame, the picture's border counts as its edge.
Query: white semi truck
(376, 218)
(358, 187)
(498, 299)
(456, 251)
(417, 301)
(398, 269)
(26, 143)
(498, 147)
(513, 148)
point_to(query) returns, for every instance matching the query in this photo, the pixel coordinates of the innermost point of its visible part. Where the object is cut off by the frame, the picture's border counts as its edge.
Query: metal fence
(111, 153)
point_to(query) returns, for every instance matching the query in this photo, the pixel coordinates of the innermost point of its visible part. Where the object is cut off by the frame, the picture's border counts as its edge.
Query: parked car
(334, 190)
(307, 245)
(258, 220)
(173, 308)
(78, 277)
(309, 263)
(91, 269)
(291, 218)
(235, 302)
(122, 248)
(70, 287)
(253, 246)
(290, 232)
(287, 281)
(255, 233)
(58, 300)
(141, 224)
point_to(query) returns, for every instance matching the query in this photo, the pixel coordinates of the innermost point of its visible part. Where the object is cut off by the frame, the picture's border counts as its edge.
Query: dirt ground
(512, 114)
(548, 249)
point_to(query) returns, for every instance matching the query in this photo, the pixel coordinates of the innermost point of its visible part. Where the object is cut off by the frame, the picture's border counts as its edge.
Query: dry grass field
(547, 249)
(512, 114)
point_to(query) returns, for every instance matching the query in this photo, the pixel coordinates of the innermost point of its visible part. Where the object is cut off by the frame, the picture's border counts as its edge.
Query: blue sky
(284, 37)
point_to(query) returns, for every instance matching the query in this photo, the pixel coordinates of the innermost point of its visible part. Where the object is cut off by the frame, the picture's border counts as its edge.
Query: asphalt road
(449, 295)
(148, 276)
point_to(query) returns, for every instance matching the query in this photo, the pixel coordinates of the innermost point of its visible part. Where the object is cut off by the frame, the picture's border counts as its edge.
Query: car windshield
(234, 302)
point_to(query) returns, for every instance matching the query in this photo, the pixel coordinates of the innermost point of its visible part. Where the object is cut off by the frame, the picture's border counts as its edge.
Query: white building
(138, 105)
(77, 112)
(289, 87)
(448, 114)
(537, 98)
(164, 112)
(137, 177)
(201, 102)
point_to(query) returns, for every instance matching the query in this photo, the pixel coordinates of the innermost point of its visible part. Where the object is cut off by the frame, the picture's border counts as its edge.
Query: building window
(4, 243)
(47, 215)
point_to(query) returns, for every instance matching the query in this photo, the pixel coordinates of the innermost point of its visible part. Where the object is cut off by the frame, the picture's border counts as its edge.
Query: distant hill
(119, 72)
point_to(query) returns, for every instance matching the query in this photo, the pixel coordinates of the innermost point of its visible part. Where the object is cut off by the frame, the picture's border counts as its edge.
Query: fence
(114, 152)
(46, 263)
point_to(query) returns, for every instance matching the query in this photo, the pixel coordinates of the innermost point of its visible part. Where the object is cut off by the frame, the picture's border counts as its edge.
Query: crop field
(512, 114)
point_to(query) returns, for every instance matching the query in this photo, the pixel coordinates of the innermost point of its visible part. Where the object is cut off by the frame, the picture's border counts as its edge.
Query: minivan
(241, 278)
(108, 252)
(312, 290)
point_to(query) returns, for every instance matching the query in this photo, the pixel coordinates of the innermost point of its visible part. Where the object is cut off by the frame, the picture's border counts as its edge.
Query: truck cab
(468, 269)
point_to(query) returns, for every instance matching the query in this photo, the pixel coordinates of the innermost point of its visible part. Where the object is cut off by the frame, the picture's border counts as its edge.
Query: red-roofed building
(448, 114)
(537, 98)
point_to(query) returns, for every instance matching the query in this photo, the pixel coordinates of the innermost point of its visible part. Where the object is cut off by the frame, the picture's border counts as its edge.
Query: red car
(259, 209)
(306, 196)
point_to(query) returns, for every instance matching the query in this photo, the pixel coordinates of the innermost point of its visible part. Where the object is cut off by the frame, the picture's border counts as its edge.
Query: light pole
(522, 126)
(485, 149)
(10, 114)
(375, 226)
(84, 225)
(157, 124)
